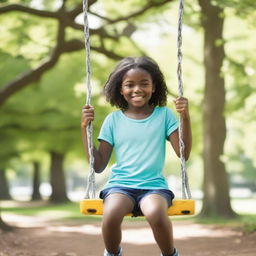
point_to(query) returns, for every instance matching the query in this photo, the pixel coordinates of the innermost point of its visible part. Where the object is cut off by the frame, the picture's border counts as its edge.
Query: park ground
(52, 235)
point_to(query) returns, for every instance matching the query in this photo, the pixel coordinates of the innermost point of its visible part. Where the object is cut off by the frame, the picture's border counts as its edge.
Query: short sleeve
(171, 123)
(106, 131)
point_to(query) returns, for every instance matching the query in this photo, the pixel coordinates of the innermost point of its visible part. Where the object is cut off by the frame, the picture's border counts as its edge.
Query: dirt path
(35, 237)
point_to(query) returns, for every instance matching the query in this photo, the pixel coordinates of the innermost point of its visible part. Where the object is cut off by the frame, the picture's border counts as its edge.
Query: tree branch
(79, 9)
(42, 13)
(21, 8)
(107, 53)
(34, 75)
(94, 31)
(148, 6)
(27, 77)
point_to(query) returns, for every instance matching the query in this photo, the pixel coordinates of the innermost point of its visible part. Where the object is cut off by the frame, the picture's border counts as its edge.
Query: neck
(139, 113)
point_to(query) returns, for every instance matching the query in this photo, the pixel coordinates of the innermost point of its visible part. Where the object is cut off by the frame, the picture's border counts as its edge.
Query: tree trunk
(216, 201)
(57, 178)
(4, 226)
(4, 186)
(36, 182)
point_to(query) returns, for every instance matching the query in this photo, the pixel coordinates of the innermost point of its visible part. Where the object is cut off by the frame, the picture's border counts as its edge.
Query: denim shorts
(136, 195)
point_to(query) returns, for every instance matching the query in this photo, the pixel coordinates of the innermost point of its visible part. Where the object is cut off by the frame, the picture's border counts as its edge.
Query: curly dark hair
(113, 85)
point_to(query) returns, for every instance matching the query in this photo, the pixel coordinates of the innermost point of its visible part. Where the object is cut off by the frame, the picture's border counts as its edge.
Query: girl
(138, 133)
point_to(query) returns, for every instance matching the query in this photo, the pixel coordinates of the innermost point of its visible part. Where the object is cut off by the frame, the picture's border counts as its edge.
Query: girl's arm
(101, 155)
(182, 108)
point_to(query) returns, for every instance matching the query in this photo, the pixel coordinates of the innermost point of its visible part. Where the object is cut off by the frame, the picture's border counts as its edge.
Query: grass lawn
(70, 211)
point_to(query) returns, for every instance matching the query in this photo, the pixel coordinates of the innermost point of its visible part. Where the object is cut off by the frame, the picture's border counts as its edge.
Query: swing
(92, 206)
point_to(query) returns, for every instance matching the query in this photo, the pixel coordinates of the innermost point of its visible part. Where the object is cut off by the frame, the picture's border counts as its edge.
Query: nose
(137, 88)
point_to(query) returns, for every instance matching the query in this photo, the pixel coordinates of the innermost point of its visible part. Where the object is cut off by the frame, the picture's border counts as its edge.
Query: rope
(185, 185)
(90, 189)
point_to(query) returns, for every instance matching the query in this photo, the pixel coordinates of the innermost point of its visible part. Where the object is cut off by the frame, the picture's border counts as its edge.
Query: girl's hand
(87, 115)
(181, 105)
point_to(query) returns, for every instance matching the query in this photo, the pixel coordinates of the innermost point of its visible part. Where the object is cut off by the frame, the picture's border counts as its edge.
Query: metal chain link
(90, 189)
(185, 185)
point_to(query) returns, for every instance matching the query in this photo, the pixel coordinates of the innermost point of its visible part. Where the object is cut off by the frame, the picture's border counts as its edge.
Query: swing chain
(90, 190)
(186, 194)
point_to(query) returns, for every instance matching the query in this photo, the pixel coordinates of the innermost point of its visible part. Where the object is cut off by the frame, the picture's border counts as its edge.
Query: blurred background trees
(42, 88)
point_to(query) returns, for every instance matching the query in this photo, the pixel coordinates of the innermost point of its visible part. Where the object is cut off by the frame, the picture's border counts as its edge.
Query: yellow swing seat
(179, 207)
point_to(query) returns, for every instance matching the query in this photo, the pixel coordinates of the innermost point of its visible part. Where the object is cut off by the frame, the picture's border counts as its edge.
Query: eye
(128, 85)
(145, 84)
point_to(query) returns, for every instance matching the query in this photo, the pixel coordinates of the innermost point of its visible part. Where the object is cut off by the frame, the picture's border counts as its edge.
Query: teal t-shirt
(140, 148)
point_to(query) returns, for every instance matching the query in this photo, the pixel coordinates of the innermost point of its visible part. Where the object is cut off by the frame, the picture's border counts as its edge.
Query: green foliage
(50, 5)
(8, 138)
(249, 223)
(8, 148)
(243, 8)
(27, 35)
(17, 64)
(16, 1)
(240, 79)
(51, 114)
(242, 87)
(49, 118)
(69, 4)
(120, 8)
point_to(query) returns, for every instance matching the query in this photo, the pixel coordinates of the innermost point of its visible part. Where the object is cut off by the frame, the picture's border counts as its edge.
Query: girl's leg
(154, 207)
(116, 206)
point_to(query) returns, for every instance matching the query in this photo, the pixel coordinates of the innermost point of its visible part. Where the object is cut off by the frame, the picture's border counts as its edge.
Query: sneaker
(175, 253)
(106, 253)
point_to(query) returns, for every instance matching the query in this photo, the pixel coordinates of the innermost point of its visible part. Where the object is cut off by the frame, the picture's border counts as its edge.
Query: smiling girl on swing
(137, 132)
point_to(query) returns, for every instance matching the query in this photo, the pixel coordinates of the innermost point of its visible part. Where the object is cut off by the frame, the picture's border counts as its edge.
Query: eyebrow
(143, 80)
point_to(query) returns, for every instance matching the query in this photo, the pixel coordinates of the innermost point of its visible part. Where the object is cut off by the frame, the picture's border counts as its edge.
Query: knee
(156, 218)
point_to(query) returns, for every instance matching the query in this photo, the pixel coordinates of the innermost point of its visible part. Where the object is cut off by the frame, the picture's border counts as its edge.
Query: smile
(137, 97)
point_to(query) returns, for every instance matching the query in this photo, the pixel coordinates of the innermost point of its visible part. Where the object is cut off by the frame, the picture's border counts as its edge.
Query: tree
(216, 201)
(4, 226)
(4, 187)
(36, 182)
(57, 178)
(8, 151)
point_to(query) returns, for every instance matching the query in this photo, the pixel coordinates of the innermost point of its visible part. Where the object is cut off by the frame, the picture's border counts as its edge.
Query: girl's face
(137, 88)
